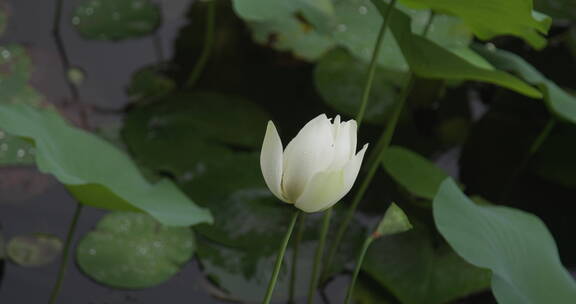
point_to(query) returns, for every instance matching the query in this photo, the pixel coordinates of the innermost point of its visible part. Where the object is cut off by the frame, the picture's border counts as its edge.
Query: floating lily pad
(15, 73)
(248, 218)
(186, 135)
(309, 29)
(149, 82)
(243, 273)
(291, 34)
(339, 78)
(291, 26)
(246, 213)
(34, 249)
(132, 250)
(417, 269)
(116, 19)
(264, 9)
(217, 117)
(249, 225)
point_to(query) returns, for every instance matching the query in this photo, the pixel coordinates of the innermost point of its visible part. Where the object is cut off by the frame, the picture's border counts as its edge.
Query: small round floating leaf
(34, 249)
(116, 19)
(132, 250)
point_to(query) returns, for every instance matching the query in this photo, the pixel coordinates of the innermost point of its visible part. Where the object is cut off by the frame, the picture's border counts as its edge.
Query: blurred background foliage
(176, 144)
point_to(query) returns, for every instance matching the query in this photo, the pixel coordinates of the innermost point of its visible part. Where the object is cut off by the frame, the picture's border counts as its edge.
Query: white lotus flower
(318, 167)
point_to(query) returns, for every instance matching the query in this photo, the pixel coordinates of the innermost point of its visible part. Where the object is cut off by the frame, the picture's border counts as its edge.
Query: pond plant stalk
(534, 147)
(280, 258)
(316, 270)
(373, 65)
(359, 117)
(66, 66)
(61, 49)
(357, 268)
(65, 254)
(208, 44)
(295, 253)
(381, 147)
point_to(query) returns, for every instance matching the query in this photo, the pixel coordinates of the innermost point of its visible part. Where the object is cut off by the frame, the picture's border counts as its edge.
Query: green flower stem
(280, 259)
(383, 142)
(296, 250)
(429, 23)
(373, 64)
(318, 257)
(66, 66)
(61, 49)
(84, 121)
(64, 262)
(373, 157)
(381, 147)
(370, 77)
(208, 44)
(540, 140)
(359, 263)
(534, 147)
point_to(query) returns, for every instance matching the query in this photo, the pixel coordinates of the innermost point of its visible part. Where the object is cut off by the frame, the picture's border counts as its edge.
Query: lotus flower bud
(317, 168)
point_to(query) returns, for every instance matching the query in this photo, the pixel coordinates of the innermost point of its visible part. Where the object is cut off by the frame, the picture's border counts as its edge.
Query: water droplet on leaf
(341, 27)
